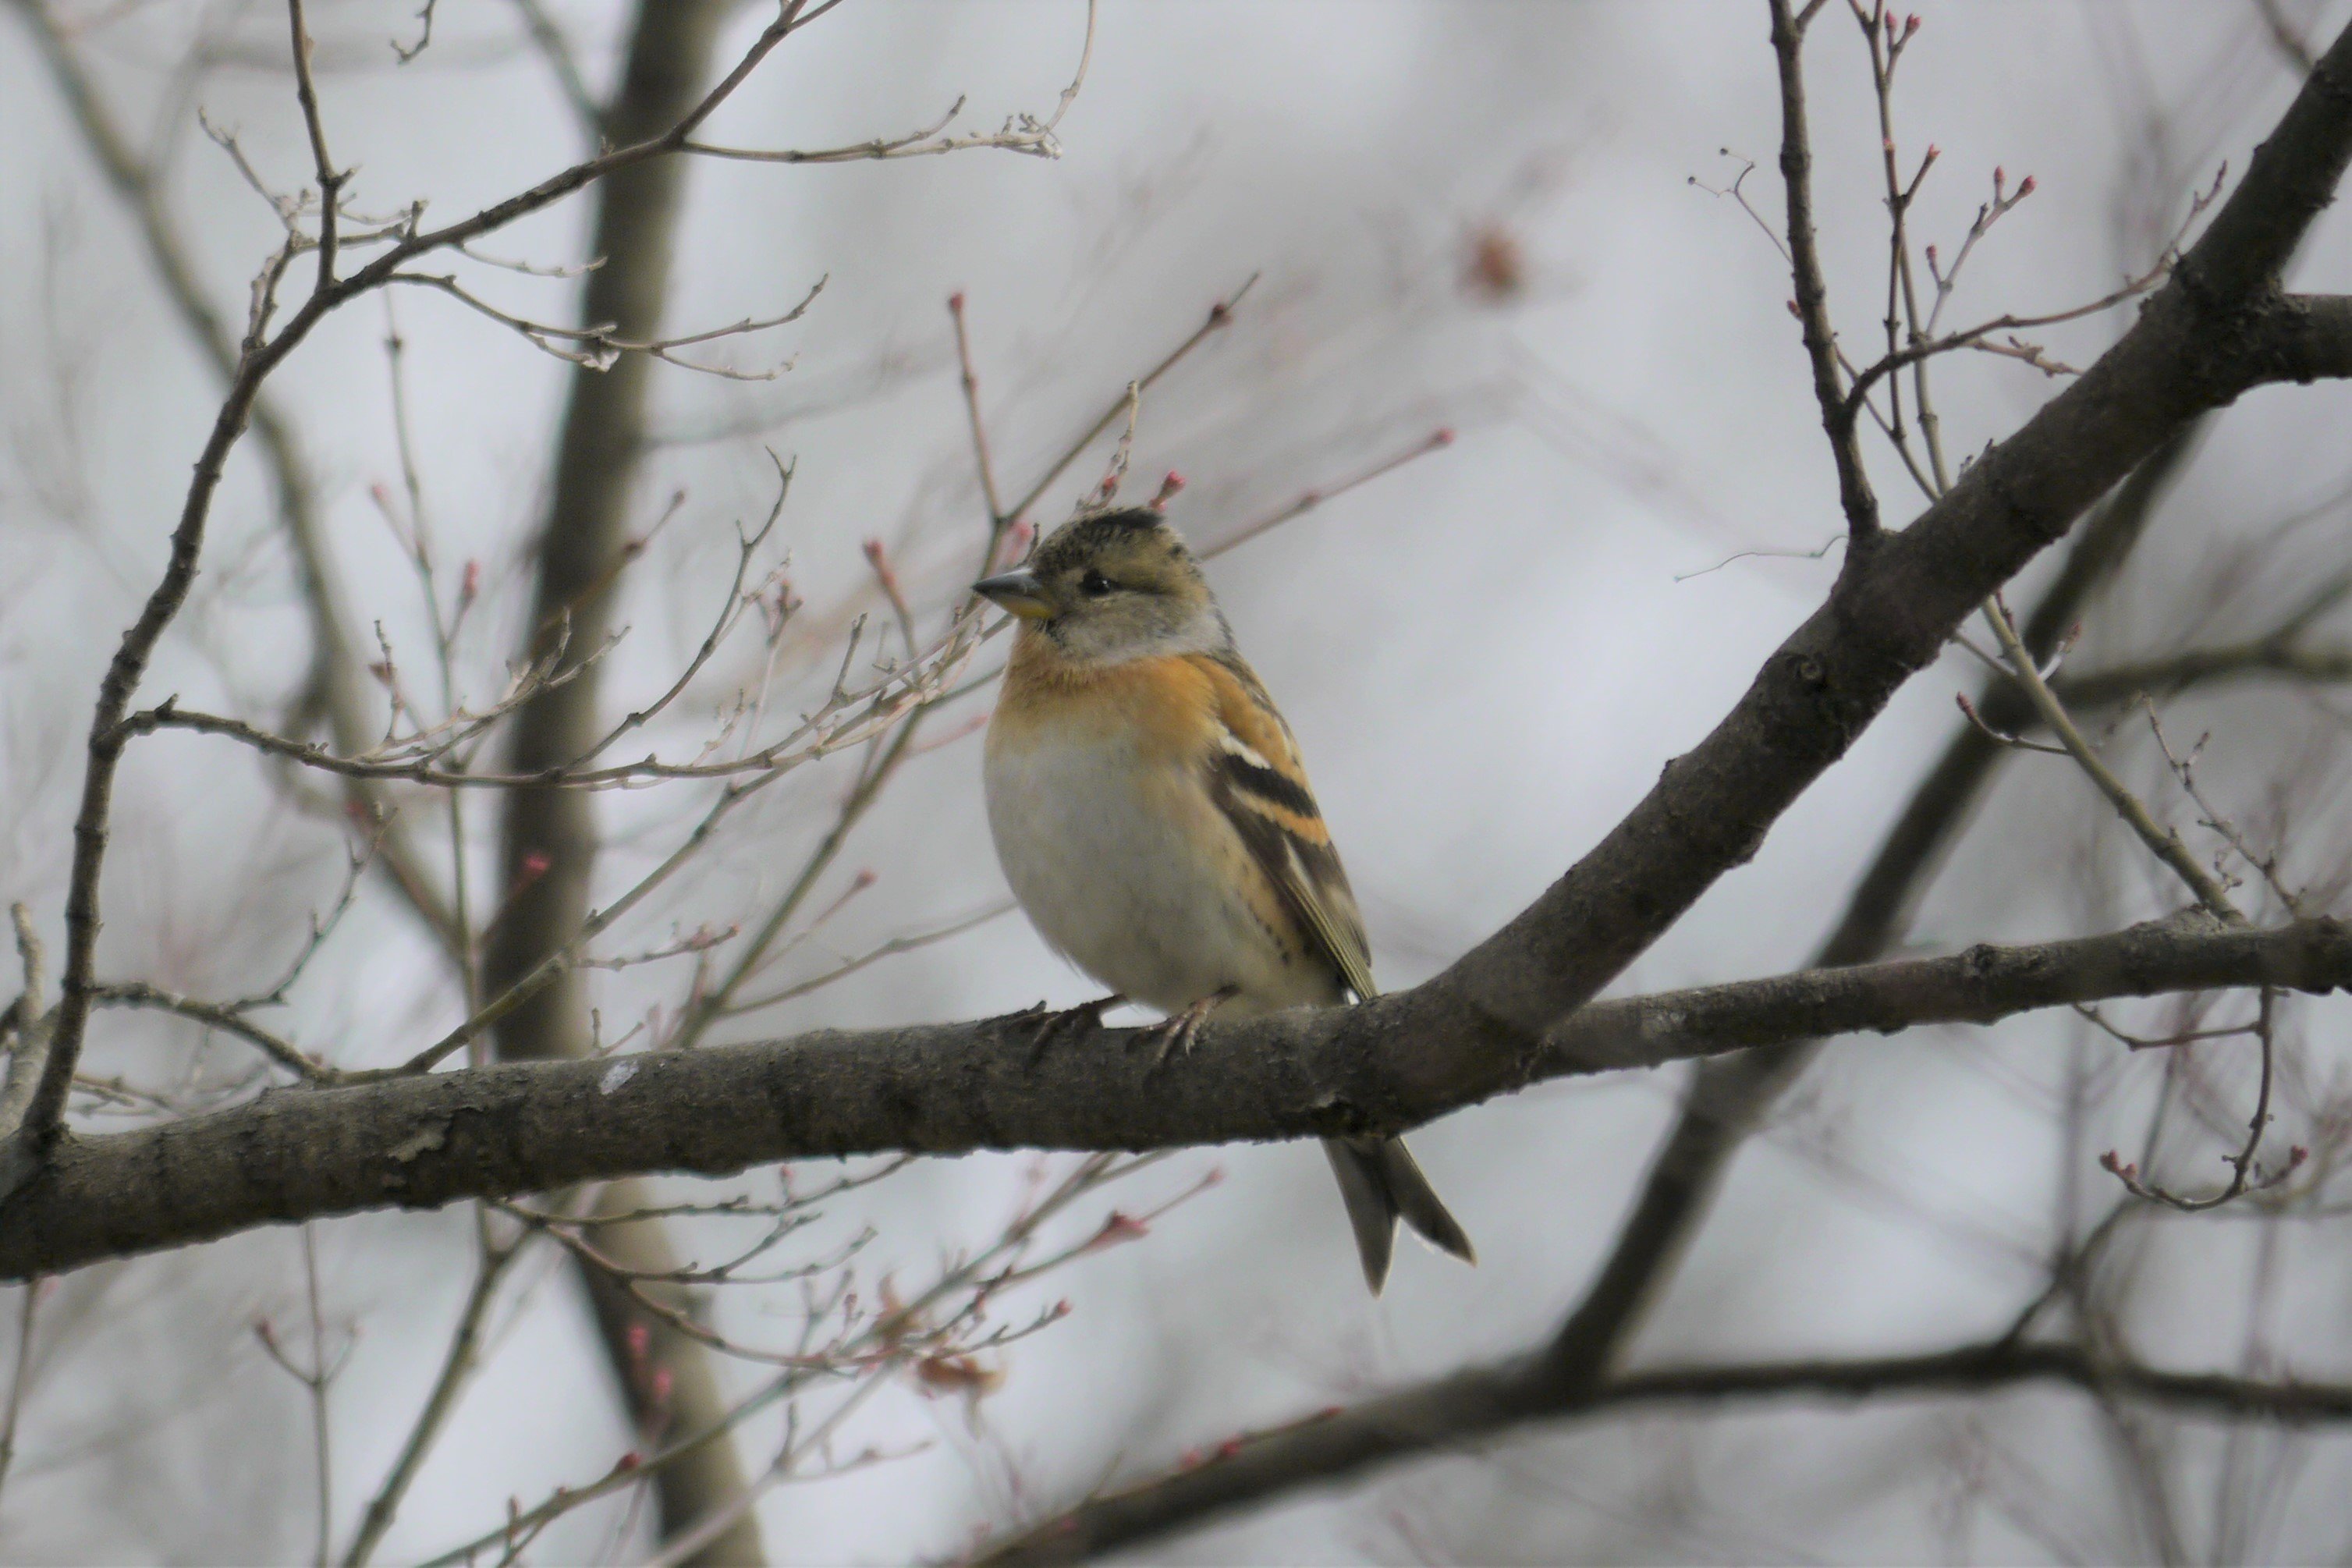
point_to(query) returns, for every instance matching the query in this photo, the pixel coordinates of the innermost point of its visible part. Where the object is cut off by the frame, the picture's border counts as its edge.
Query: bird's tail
(1382, 1183)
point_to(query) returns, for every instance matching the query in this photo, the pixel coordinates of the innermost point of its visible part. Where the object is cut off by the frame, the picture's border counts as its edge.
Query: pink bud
(955, 302)
(470, 584)
(866, 877)
(640, 1337)
(661, 1387)
(2025, 187)
(1118, 1227)
(1441, 436)
(535, 865)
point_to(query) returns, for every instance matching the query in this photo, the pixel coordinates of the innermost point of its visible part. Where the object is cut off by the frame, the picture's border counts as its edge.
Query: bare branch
(420, 1140)
(1220, 315)
(330, 179)
(1811, 304)
(1482, 1401)
(549, 39)
(229, 1019)
(1308, 501)
(1020, 133)
(2162, 842)
(456, 1367)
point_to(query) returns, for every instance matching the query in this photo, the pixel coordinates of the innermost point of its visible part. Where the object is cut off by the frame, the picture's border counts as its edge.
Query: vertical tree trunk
(551, 835)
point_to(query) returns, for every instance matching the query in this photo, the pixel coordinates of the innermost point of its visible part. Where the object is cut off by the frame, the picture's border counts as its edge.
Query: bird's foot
(1173, 1035)
(1047, 1029)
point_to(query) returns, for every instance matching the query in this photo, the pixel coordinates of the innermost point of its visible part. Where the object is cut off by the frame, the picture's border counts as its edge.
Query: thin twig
(330, 180)
(1855, 497)
(997, 519)
(1308, 501)
(2163, 843)
(20, 1376)
(2245, 1174)
(1221, 314)
(228, 1018)
(457, 1366)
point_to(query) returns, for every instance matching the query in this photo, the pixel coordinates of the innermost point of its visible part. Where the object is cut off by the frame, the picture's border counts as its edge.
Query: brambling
(1153, 817)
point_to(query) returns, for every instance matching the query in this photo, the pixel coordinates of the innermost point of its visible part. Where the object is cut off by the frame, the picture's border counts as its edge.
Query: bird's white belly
(1134, 881)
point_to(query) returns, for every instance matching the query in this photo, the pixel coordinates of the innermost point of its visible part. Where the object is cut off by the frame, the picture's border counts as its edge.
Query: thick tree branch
(1482, 1401)
(424, 1140)
(1476, 1029)
(2309, 337)
(1729, 1093)
(2201, 341)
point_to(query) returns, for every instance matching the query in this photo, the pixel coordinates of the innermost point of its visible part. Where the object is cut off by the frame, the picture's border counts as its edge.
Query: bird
(1153, 818)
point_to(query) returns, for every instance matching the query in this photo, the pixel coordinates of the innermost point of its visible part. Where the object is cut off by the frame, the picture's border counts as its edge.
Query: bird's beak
(1019, 592)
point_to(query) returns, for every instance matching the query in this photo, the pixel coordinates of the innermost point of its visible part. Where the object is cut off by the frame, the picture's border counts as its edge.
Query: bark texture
(419, 1140)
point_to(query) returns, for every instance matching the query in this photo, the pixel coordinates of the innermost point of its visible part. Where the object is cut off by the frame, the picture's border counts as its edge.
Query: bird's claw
(1173, 1035)
(1047, 1028)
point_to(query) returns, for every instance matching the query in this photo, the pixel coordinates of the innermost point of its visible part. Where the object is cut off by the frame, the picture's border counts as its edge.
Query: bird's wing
(1256, 778)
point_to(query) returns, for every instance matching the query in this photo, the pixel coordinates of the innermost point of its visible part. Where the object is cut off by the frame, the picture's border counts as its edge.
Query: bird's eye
(1095, 585)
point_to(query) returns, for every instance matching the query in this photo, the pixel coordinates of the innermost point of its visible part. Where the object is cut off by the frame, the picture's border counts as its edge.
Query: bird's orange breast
(1165, 707)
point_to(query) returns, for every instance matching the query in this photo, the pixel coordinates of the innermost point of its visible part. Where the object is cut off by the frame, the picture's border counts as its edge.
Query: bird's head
(1110, 587)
